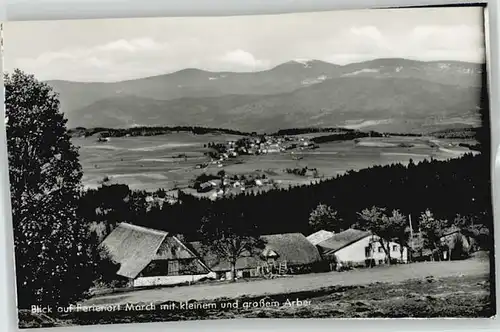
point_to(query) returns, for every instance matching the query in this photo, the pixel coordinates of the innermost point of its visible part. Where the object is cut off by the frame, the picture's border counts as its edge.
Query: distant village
(222, 154)
(257, 145)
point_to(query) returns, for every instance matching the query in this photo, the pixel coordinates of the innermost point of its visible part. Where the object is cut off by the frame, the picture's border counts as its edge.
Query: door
(173, 268)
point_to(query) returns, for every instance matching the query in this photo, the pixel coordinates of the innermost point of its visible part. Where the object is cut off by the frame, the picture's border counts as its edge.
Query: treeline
(473, 147)
(345, 136)
(341, 130)
(302, 131)
(464, 133)
(448, 188)
(404, 134)
(150, 131)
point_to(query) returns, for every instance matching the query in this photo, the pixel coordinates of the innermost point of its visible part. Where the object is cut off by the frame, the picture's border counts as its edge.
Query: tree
(323, 217)
(222, 175)
(433, 230)
(476, 232)
(400, 229)
(230, 237)
(104, 268)
(376, 221)
(52, 264)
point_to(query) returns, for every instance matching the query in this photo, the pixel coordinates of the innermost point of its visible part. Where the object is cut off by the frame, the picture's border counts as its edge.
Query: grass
(422, 298)
(457, 297)
(153, 162)
(438, 289)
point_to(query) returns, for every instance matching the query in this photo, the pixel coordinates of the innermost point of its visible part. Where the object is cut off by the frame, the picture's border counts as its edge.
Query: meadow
(169, 161)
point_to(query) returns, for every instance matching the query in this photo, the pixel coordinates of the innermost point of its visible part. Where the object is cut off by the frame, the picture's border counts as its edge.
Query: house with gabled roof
(455, 244)
(360, 248)
(291, 251)
(149, 257)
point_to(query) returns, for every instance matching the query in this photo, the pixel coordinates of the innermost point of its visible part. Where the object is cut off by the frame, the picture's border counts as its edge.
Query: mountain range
(384, 94)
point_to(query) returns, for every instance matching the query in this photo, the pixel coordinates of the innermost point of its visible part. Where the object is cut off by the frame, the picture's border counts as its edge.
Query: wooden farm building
(360, 248)
(455, 244)
(282, 254)
(150, 257)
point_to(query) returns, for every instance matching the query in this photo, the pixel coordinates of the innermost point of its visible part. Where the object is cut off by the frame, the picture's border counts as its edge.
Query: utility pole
(411, 233)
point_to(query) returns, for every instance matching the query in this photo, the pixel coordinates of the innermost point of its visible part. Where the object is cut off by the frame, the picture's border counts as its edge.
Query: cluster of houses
(217, 187)
(149, 257)
(257, 145)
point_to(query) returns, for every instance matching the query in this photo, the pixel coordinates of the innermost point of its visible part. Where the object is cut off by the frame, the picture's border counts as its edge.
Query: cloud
(134, 45)
(356, 44)
(461, 31)
(424, 42)
(156, 52)
(241, 58)
(367, 32)
(454, 42)
(113, 60)
(454, 37)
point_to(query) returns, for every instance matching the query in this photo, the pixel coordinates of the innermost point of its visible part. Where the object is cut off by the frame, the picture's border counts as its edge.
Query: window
(173, 268)
(380, 249)
(156, 268)
(395, 247)
(368, 251)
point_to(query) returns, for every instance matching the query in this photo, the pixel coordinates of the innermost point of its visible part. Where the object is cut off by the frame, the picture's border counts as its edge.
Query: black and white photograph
(332, 164)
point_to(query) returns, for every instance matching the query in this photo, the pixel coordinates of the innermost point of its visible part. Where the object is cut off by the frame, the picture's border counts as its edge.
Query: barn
(455, 244)
(151, 257)
(359, 248)
(282, 254)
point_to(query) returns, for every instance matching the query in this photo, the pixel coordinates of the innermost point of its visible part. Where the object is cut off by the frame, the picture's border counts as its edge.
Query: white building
(361, 248)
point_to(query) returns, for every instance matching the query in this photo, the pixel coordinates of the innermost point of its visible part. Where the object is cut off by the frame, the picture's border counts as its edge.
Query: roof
(451, 230)
(208, 257)
(422, 253)
(294, 248)
(133, 247)
(319, 236)
(172, 248)
(342, 240)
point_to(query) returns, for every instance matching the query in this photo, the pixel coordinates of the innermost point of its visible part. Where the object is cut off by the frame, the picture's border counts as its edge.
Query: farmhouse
(282, 254)
(360, 248)
(455, 244)
(151, 258)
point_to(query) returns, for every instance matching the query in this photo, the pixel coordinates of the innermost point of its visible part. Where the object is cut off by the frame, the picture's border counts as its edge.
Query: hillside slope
(287, 77)
(382, 103)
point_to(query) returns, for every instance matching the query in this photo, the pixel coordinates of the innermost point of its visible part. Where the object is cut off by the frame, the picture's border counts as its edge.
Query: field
(430, 289)
(169, 161)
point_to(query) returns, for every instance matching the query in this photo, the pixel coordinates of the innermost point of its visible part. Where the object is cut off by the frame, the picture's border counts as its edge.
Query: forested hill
(458, 186)
(463, 132)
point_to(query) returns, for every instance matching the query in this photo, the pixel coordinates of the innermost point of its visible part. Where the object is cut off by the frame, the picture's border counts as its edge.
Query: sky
(107, 50)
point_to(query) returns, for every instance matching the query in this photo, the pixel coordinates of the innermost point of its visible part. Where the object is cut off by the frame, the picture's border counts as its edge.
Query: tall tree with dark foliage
(53, 263)
(229, 236)
(323, 217)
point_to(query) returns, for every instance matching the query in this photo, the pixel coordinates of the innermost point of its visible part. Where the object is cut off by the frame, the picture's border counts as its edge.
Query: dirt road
(314, 281)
